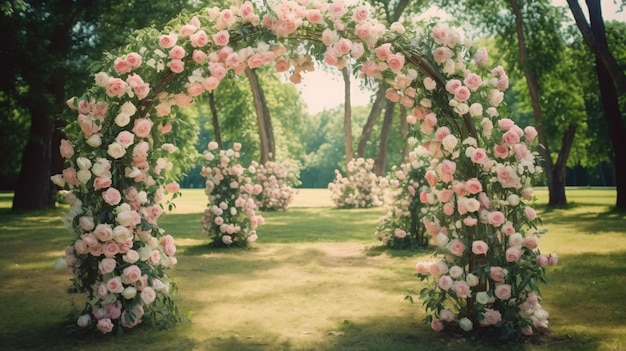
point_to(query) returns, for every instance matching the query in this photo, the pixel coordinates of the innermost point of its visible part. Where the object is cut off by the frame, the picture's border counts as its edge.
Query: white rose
(495, 97)
(233, 211)
(456, 271)
(83, 163)
(131, 256)
(152, 242)
(142, 197)
(132, 172)
(482, 298)
(429, 83)
(476, 109)
(472, 205)
(513, 200)
(144, 253)
(426, 103)
(58, 180)
(449, 142)
(471, 279)
(466, 324)
(102, 79)
(83, 175)
(492, 111)
(116, 150)
(449, 67)
(121, 234)
(124, 218)
(84, 320)
(99, 170)
(122, 119)
(462, 108)
(516, 240)
(129, 292)
(441, 239)
(94, 141)
(128, 108)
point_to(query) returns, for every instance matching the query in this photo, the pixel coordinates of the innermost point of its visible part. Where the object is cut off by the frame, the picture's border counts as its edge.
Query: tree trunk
(404, 130)
(46, 98)
(617, 131)
(266, 133)
(214, 121)
(33, 188)
(533, 90)
(557, 196)
(381, 159)
(593, 39)
(347, 115)
(377, 108)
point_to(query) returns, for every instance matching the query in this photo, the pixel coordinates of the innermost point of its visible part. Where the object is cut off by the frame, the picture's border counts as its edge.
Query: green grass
(316, 280)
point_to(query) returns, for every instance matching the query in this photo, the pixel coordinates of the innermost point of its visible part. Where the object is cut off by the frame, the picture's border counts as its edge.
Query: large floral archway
(479, 167)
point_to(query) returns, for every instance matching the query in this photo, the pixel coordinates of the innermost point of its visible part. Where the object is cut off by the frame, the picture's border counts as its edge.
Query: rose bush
(278, 180)
(230, 217)
(360, 188)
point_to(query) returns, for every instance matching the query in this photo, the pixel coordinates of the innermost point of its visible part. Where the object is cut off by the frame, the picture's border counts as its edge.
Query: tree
(608, 74)
(47, 37)
(264, 121)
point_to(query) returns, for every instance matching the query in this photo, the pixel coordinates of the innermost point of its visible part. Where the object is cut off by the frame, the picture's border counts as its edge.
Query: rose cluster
(277, 180)
(476, 204)
(231, 215)
(360, 188)
(401, 226)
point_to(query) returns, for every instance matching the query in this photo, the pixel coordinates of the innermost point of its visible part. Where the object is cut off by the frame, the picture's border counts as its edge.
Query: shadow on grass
(585, 219)
(382, 249)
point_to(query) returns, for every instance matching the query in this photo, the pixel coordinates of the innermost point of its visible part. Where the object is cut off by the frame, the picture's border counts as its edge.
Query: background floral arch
(478, 165)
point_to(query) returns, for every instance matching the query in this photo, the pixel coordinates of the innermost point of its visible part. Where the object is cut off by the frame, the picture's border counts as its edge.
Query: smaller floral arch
(476, 189)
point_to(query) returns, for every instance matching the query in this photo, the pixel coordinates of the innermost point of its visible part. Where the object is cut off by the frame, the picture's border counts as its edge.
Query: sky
(321, 90)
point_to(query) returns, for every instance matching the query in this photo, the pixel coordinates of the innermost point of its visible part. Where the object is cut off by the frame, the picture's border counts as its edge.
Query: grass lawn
(316, 280)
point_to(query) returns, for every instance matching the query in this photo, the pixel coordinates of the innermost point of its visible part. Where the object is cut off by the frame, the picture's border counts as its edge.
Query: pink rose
(438, 268)
(125, 138)
(479, 247)
(461, 289)
(177, 53)
(473, 81)
(131, 274)
(86, 223)
(114, 285)
(110, 249)
(436, 325)
(167, 41)
(116, 87)
(199, 56)
(552, 259)
(496, 218)
(121, 66)
(66, 148)
(103, 232)
(195, 89)
(462, 94)
(541, 261)
(176, 66)
(510, 138)
(383, 51)
(497, 274)
(445, 282)
(448, 166)
(501, 151)
(503, 291)
(530, 133)
(101, 183)
(221, 38)
(199, 39)
(442, 54)
(314, 16)
(107, 265)
(473, 186)
(112, 196)
(479, 156)
(172, 187)
(133, 59)
(531, 242)
(513, 254)
(490, 317)
(456, 247)
(424, 267)
(530, 213)
(69, 175)
(142, 127)
(148, 295)
(470, 221)
(105, 325)
(445, 195)
(395, 62)
(481, 57)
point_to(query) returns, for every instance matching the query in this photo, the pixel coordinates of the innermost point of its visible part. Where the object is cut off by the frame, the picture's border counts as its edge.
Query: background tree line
(51, 48)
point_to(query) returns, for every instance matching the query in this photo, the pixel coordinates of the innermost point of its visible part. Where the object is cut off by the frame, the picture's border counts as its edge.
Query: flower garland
(479, 179)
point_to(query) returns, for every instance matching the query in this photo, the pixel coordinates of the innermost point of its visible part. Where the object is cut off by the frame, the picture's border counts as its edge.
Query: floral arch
(477, 165)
